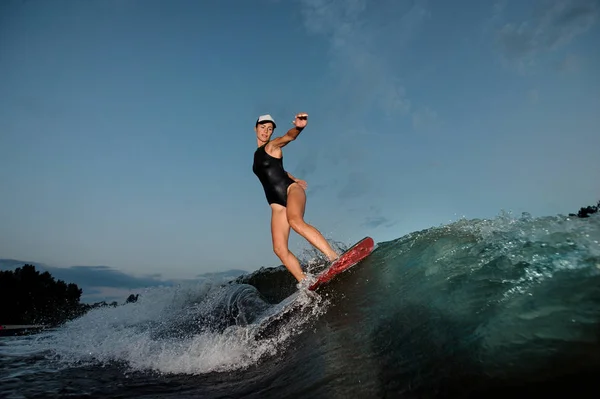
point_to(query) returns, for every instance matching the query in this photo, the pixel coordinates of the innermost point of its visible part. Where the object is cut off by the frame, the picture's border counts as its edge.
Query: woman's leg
(296, 202)
(280, 232)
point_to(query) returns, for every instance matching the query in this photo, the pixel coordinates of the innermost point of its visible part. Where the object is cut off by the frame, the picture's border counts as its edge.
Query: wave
(494, 302)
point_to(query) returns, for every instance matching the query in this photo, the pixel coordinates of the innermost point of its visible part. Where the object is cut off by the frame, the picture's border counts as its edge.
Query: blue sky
(126, 127)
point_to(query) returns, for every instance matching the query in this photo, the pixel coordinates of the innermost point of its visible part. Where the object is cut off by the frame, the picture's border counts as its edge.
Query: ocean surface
(475, 308)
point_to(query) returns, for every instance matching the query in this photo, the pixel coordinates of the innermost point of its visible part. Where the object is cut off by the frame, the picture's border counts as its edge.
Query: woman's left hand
(301, 120)
(302, 183)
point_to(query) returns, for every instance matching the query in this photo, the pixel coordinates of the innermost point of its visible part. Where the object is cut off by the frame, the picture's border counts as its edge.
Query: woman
(285, 194)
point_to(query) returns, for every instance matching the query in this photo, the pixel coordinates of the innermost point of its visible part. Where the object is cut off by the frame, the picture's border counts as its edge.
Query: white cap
(266, 118)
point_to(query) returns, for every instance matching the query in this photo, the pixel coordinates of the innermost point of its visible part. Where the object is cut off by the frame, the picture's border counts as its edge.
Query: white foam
(131, 334)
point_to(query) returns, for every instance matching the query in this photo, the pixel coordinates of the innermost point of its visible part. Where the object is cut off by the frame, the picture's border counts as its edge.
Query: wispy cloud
(316, 188)
(357, 185)
(307, 164)
(571, 63)
(361, 36)
(552, 26)
(374, 218)
(377, 221)
(365, 41)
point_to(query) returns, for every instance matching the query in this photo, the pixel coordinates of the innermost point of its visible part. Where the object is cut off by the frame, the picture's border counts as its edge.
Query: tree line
(30, 297)
(585, 212)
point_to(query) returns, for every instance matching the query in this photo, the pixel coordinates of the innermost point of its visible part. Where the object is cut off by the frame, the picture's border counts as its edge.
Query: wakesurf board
(351, 257)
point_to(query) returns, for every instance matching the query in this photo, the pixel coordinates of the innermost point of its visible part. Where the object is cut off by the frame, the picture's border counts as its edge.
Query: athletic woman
(285, 194)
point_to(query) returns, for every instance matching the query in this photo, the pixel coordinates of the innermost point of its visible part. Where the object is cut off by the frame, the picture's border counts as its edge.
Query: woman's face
(264, 131)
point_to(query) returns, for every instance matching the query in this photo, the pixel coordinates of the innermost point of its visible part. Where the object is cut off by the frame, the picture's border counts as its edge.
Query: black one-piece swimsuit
(274, 179)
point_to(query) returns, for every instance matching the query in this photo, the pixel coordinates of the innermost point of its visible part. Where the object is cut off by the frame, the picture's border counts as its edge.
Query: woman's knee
(296, 222)
(280, 250)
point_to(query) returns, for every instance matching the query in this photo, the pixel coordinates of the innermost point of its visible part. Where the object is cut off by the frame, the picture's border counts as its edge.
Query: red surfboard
(351, 257)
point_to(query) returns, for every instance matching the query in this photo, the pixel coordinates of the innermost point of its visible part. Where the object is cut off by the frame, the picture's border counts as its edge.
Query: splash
(191, 329)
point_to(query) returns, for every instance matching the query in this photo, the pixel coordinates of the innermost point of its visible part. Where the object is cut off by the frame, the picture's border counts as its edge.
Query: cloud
(307, 165)
(316, 188)
(366, 40)
(356, 186)
(552, 26)
(375, 219)
(103, 276)
(571, 63)
(362, 34)
(95, 281)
